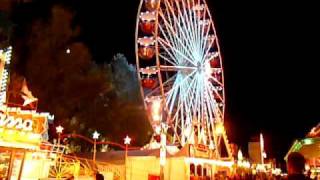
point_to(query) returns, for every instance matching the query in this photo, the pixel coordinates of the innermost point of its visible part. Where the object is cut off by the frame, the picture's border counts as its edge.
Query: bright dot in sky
(68, 51)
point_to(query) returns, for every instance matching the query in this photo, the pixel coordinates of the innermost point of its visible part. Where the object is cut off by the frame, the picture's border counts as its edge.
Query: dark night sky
(270, 61)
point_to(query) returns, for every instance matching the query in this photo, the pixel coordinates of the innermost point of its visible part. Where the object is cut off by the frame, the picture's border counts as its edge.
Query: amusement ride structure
(180, 69)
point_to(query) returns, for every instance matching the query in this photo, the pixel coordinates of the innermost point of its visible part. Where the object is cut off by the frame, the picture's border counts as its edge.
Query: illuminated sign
(15, 123)
(199, 150)
(19, 128)
(5, 58)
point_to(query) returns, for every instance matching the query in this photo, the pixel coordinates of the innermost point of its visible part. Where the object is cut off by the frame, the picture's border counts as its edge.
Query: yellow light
(33, 136)
(19, 137)
(19, 145)
(156, 110)
(307, 167)
(156, 117)
(219, 129)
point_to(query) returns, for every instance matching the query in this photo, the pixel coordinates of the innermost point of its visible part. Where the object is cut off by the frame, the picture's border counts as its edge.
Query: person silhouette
(295, 166)
(99, 176)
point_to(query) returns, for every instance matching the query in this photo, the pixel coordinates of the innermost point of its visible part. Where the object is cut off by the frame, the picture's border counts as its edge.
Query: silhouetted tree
(82, 95)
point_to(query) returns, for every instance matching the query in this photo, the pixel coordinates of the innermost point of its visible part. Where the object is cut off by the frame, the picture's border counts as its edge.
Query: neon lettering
(15, 123)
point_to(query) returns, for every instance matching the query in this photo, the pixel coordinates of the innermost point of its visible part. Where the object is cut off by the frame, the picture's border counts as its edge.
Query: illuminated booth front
(309, 147)
(22, 133)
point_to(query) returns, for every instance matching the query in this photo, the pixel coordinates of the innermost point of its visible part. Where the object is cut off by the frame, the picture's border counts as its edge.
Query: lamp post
(262, 148)
(127, 141)
(163, 149)
(95, 136)
(59, 130)
(161, 129)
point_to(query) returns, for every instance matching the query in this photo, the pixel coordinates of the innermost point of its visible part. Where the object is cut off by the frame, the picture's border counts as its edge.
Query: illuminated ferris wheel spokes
(177, 40)
(185, 39)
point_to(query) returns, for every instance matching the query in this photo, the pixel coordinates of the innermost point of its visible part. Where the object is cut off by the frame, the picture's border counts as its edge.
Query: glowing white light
(156, 110)
(148, 16)
(156, 117)
(264, 155)
(127, 140)
(59, 129)
(68, 51)
(197, 161)
(240, 156)
(158, 129)
(5, 56)
(95, 135)
(211, 145)
(219, 128)
(162, 157)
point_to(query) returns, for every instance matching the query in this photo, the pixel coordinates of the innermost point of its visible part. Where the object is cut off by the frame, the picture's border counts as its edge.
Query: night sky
(270, 54)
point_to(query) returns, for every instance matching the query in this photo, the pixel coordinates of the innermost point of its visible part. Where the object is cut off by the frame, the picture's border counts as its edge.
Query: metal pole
(163, 143)
(125, 162)
(161, 172)
(59, 136)
(94, 151)
(11, 164)
(262, 148)
(22, 164)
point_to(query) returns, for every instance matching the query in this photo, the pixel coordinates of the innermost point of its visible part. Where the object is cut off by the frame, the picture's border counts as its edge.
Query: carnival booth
(309, 147)
(22, 133)
(21, 153)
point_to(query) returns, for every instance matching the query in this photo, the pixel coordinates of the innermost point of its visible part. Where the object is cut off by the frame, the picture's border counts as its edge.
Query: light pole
(262, 148)
(59, 130)
(161, 129)
(95, 136)
(163, 149)
(127, 141)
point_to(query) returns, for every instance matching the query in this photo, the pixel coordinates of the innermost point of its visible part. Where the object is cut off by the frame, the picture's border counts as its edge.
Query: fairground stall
(23, 131)
(309, 147)
(21, 134)
(188, 163)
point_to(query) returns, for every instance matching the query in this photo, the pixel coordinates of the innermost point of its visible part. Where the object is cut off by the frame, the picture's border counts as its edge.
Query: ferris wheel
(180, 69)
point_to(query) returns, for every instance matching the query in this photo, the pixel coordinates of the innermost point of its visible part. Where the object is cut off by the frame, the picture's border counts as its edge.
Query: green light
(307, 141)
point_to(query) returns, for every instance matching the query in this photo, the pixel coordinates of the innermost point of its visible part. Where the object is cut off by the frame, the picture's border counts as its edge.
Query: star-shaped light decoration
(127, 140)
(59, 129)
(28, 100)
(95, 135)
(27, 94)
